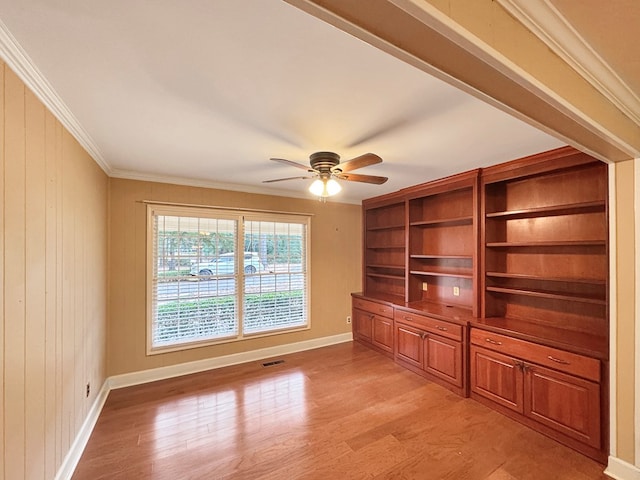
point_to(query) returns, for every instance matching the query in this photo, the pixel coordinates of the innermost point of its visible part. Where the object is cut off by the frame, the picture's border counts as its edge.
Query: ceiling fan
(326, 167)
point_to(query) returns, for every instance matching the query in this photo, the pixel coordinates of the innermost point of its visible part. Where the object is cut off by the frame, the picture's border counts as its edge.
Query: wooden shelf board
(382, 275)
(441, 274)
(443, 257)
(565, 243)
(548, 295)
(444, 221)
(390, 267)
(386, 247)
(399, 226)
(521, 276)
(584, 207)
(593, 344)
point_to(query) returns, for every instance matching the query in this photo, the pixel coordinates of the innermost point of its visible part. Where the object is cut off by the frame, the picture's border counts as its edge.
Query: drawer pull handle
(493, 342)
(558, 360)
(442, 329)
(408, 318)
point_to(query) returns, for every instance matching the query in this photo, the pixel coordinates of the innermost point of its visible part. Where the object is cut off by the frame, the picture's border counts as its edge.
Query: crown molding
(234, 187)
(17, 59)
(550, 26)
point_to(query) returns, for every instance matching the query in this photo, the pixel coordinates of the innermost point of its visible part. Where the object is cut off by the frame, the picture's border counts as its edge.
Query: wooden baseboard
(65, 472)
(621, 470)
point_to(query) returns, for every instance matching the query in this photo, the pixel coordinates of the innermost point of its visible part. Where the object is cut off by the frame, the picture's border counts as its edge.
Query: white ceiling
(205, 92)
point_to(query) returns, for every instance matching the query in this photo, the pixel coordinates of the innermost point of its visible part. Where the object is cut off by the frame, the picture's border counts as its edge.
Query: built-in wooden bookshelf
(385, 248)
(545, 244)
(498, 284)
(442, 255)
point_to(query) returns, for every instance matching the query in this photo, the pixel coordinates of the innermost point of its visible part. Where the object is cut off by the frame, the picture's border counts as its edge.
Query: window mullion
(240, 275)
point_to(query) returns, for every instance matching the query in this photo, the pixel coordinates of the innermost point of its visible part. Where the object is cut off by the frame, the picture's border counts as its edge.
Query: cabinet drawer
(561, 360)
(439, 327)
(373, 307)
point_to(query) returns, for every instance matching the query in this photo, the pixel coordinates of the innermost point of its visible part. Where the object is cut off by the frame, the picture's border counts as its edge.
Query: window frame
(241, 216)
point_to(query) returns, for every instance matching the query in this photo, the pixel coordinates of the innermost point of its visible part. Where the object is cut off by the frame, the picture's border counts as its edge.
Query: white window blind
(276, 300)
(217, 276)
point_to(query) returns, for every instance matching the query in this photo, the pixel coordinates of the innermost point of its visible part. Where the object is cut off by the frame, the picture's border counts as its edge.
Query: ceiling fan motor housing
(323, 162)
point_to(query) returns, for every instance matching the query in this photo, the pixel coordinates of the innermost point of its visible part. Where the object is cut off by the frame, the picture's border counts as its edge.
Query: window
(221, 275)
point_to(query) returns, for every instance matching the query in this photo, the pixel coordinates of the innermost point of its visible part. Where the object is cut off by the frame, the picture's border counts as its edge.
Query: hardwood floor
(340, 412)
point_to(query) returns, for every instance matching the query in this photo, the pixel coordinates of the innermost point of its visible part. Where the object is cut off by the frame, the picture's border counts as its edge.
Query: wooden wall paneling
(14, 205)
(68, 299)
(3, 319)
(35, 235)
(51, 317)
(53, 218)
(59, 314)
(78, 284)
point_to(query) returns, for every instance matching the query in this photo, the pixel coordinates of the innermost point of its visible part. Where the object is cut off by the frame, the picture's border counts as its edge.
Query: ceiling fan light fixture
(324, 187)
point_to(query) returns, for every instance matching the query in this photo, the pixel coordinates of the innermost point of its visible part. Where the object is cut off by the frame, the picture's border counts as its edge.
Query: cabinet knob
(408, 318)
(493, 342)
(442, 329)
(558, 360)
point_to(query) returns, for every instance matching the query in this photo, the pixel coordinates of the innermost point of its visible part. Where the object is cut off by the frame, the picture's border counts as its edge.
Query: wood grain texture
(53, 201)
(342, 412)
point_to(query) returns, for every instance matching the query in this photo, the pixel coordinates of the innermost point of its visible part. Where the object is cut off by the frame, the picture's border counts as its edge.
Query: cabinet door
(409, 345)
(568, 404)
(443, 358)
(383, 333)
(497, 377)
(363, 325)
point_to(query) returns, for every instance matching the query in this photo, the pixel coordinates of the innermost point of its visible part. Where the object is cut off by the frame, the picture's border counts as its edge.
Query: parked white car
(225, 264)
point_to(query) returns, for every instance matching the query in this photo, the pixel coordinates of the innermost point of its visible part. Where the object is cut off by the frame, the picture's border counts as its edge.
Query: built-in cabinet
(432, 347)
(373, 324)
(494, 283)
(558, 391)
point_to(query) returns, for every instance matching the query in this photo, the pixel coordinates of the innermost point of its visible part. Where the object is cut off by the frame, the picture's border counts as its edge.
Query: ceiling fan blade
(354, 177)
(283, 179)
(358, 162)
(292, 163)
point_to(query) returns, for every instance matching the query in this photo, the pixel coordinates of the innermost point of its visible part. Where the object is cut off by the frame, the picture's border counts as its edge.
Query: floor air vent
(275, 362)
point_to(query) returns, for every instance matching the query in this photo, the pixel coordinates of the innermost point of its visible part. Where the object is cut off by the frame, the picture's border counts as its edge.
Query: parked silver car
(225, 264)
